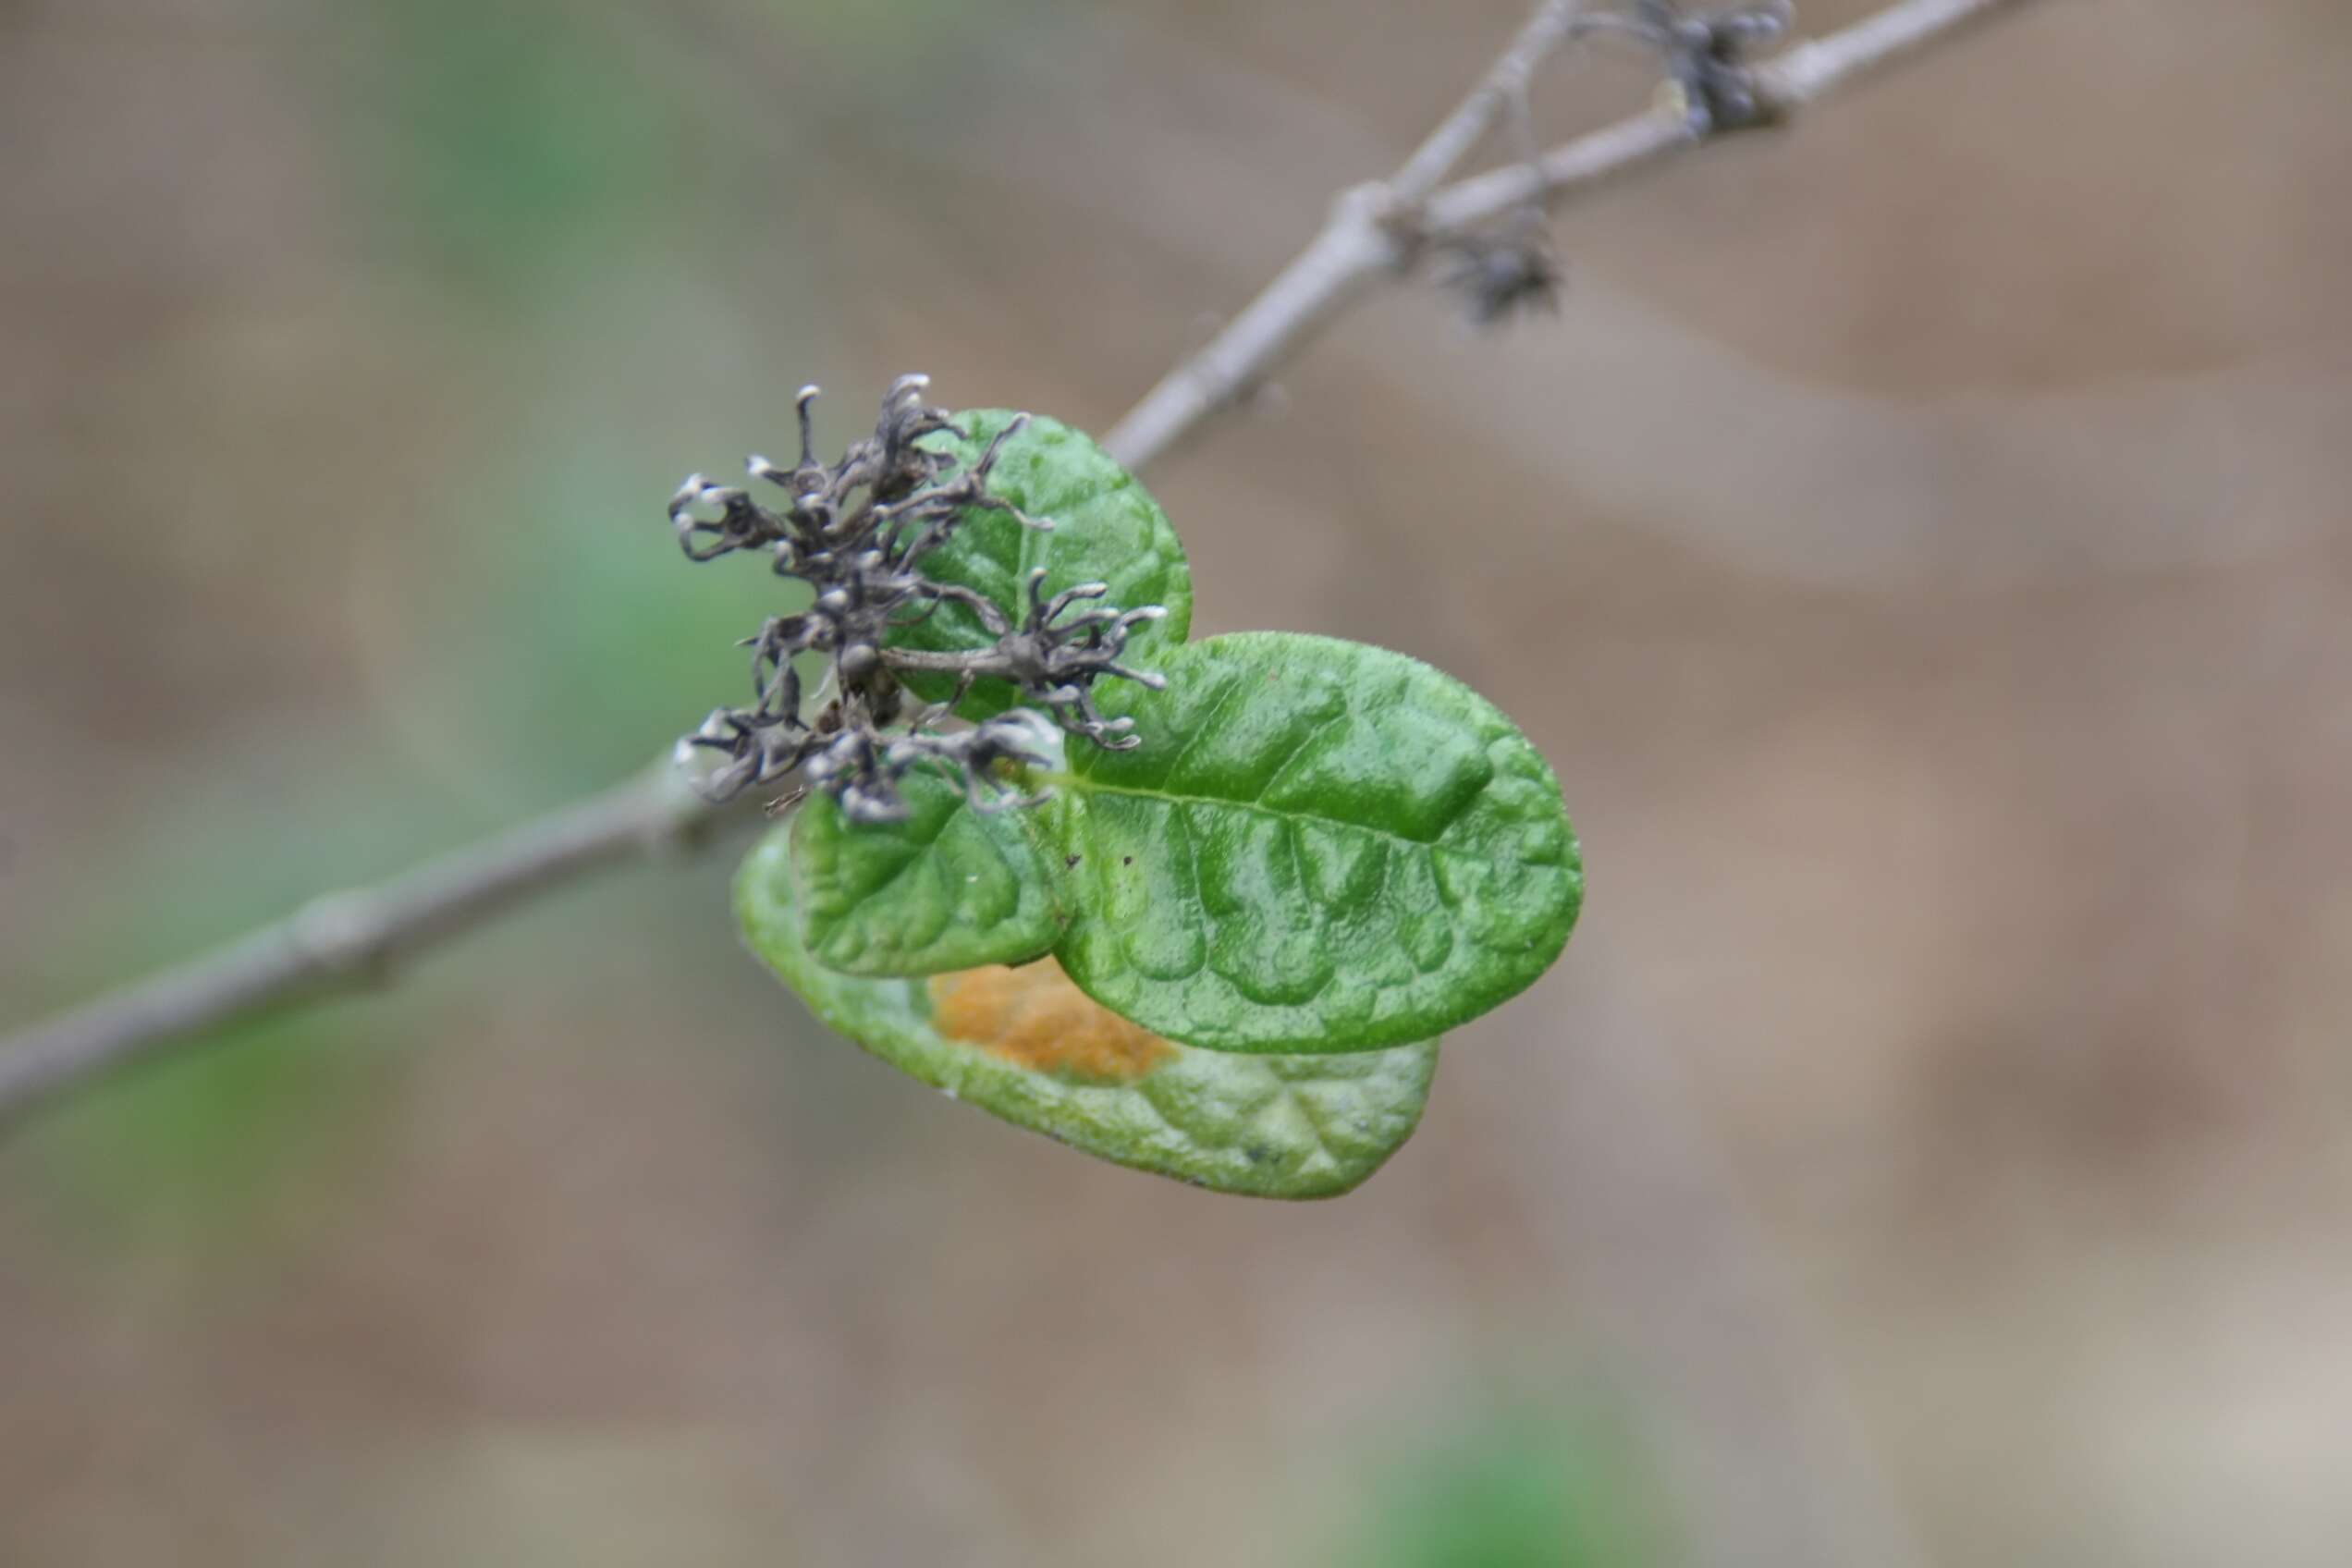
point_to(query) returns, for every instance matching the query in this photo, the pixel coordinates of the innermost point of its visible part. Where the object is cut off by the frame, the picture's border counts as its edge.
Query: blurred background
(1920, 543)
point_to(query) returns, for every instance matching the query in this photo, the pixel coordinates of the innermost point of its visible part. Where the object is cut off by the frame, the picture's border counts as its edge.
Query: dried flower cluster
(1512, 269)
(1706, 57)
(856, 531)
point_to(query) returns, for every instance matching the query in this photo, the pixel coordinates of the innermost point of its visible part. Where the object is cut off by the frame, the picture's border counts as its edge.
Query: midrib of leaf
(1081, 784)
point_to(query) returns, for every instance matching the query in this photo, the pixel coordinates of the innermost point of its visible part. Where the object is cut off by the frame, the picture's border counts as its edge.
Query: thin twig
(1462, 130)
(1814, 68)
(351, 939)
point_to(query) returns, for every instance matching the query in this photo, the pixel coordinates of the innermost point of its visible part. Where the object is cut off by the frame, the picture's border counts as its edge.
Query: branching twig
(350, 940)
(1460, 131)
(1362, 244)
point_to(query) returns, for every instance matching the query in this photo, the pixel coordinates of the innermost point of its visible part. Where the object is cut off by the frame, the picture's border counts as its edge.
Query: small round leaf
(1318, 846)
(945, 889)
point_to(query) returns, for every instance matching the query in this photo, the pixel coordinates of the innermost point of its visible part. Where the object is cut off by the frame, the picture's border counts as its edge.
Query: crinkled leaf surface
(1106, 529)
(1319, 846)
(946, 888)
(1026, 1046)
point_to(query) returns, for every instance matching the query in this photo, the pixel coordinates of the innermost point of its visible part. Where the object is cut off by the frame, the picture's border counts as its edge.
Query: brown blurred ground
(1920, 544)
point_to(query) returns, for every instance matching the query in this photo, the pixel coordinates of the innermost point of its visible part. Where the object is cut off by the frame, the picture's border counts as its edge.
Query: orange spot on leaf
(1035, 1017)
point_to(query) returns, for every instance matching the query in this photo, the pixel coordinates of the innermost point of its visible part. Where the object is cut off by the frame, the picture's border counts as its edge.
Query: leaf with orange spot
(1026, 1046)
(1034, 1018)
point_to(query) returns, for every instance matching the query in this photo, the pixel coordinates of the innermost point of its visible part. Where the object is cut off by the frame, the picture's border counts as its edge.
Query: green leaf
(1106, 529)
(950, 888)
(1318, 846)
(1027, 1047)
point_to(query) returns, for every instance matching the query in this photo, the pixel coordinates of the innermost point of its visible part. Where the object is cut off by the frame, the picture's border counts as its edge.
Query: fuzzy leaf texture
(1106, 529)
(1029, 1047)
(948, 888)
(1319, 846)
